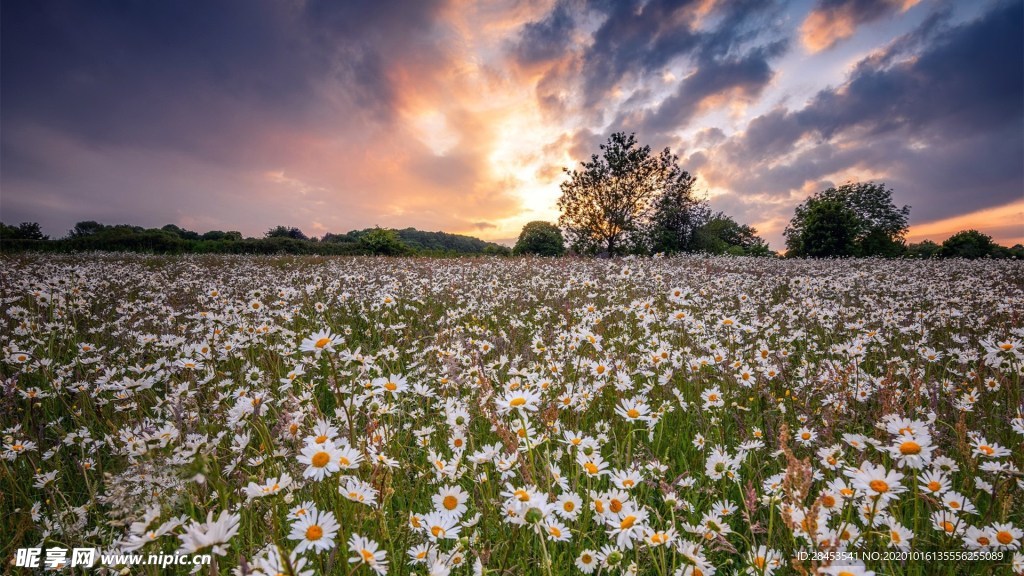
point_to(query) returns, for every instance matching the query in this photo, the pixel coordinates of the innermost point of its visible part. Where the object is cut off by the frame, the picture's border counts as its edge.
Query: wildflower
(215, 533)
(368, 552)
(270, 487)
(320, 460)
(317, 342)
(315, 531)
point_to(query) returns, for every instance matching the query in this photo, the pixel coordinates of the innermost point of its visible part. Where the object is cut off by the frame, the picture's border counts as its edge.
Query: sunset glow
(460, 116)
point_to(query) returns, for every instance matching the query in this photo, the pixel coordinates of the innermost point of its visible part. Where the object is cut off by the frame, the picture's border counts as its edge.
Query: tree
(286, 232)
(969, 244)
(86, 228)
(829, 228)
(923, 249)
(383, 242)
(23, 231)
(676, 216)
(605, 204)
(868, 223)
(720, 234)
(541, 238)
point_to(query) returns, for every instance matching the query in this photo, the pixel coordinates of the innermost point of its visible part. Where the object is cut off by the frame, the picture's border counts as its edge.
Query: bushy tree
(86, 228)
(286, 232)
(676, 216)
(541, 238)
(23, 231)
(855, 219)
(606, 203)
(720, 234)
(969, 244)
(923, 249)
(383, 242)
(828, 228)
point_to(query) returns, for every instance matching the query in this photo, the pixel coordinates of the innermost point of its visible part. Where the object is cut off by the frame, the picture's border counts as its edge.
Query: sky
(460, 116)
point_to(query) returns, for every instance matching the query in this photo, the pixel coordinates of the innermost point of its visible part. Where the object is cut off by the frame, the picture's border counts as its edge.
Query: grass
(735, 409)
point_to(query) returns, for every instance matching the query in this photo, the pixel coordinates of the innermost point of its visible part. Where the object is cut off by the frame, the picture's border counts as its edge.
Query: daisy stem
(547, 559)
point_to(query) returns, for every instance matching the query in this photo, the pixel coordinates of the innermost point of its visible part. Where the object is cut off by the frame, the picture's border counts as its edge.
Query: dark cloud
(945, 123)
(548, 38)
(743, 77)
(205, 80)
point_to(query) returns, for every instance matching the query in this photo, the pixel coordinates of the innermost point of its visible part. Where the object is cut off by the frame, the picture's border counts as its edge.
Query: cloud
(832, 21)
(937, 116)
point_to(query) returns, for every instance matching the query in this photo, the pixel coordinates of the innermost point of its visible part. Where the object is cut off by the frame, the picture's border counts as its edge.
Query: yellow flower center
(344, 461)
(320, 459)
(909, 448)
(591, 467)
(615, 505)
(554, 531)
(517, 402)
(314, 532)
(627, 522)
(450, 502)
(322, 342)
(1004, 537)
(879, 486)
(633, 413)
(391, 386)
(437, 531)
(367, 556)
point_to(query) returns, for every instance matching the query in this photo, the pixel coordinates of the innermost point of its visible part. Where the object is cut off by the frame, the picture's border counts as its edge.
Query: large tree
(541, 238)
(855, 219)
(676, 216)
(606, 203)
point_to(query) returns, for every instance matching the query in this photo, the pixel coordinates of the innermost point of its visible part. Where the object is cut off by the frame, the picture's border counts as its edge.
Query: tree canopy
(540, 238)
(855, 219)
(605, 205)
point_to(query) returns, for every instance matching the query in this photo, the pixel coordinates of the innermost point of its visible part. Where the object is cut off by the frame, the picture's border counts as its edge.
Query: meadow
(691, 416)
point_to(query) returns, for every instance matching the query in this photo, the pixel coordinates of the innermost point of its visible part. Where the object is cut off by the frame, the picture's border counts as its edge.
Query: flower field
(678, 416)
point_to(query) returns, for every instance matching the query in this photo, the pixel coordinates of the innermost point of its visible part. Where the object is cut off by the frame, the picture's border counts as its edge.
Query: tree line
(172, 239)
(629, 200)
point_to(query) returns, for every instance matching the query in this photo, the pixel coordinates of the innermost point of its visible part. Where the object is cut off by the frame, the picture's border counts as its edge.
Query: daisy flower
(368, 552)
(451, 499)
(320, 460)
(315, 531)
(269, 488)
(317, 342)
(876, 482)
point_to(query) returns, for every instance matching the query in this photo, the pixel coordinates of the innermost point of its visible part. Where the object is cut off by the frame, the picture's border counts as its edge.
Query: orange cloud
(826, 26)
(1005, 224)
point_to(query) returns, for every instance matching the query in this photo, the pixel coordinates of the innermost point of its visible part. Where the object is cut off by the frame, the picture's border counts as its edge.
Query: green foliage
(605, 205)
(23, 231)
(676, 216)
(720, 234)
(923, 249)
(172, 239)
(969, 244)
(541, 238)
(865, 223)
(383, 242)
(286, 232)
